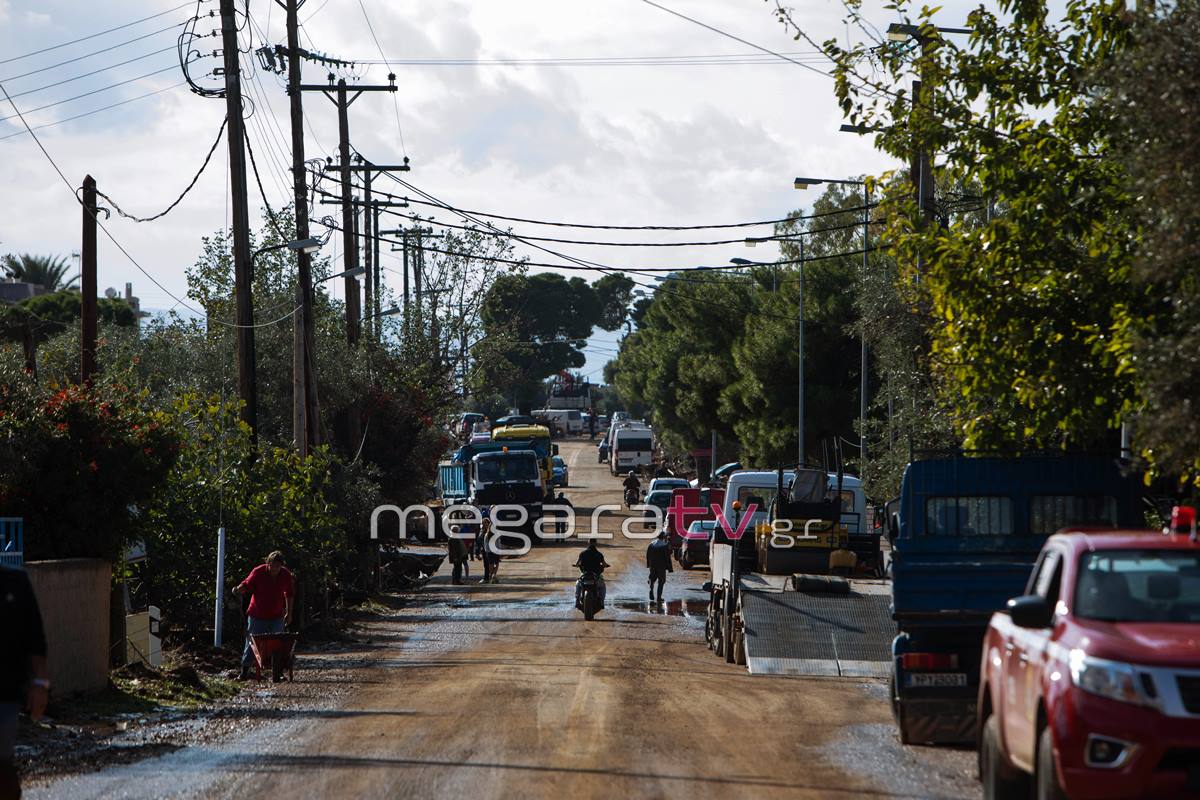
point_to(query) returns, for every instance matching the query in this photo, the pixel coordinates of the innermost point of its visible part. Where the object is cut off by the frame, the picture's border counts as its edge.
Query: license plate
(928, 679)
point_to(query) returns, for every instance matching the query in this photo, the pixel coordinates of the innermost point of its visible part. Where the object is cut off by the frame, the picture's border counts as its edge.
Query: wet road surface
(505, 691)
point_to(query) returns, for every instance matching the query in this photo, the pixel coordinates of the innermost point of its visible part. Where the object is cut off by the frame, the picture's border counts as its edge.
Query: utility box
(141, 638)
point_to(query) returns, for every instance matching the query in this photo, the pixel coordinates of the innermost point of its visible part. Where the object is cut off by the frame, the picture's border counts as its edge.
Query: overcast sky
(604, 144)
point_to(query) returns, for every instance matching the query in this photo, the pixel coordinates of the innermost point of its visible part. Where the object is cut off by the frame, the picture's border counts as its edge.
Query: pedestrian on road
(272, 592)
(23, 675)
(560, 522)
(592, 423)
(658, 561)
(457, 551)
(491, 559)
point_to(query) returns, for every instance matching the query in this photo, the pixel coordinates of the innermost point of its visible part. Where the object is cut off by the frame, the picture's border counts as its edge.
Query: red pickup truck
(1090, 682)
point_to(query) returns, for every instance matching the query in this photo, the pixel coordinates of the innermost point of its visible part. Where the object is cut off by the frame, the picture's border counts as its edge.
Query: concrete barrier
(73, 594)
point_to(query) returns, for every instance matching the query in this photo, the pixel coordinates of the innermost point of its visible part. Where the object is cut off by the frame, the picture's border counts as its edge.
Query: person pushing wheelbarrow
(272, 593)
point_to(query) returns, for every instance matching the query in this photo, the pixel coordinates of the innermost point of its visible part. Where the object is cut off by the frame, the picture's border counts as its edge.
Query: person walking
(560, 516)
(658, 561)
(491, 559)
(23, 675)
(457, 553)
(272, 593)
(592, 423)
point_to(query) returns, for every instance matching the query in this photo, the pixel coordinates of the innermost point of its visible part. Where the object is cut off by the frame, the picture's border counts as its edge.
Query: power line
(183, 194)
(94, 52)
(395, 101)
(29, 130)
(592, 61)
(101, 33)
(92, 92)
(93, 72)
(728, 35)
(113, 239)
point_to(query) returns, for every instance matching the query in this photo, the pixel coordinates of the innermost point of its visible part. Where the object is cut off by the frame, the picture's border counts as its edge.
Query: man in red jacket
(271, 594)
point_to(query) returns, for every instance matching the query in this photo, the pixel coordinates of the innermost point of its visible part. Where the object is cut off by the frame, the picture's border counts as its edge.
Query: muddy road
(504, 691)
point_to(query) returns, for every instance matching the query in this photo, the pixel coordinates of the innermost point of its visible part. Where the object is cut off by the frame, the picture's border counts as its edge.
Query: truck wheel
(1048, 787)
(898, 713)
(718, 638)
(727, 638)
(739, 649)
(1000, 780)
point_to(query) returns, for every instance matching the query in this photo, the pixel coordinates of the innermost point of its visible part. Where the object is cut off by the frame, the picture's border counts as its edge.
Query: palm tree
(46, 271)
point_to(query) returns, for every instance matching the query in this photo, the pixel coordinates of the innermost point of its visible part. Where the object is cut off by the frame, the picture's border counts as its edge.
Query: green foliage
(49, 314)
(78, 462)
(536, 326)
(1150, 92)
(1029, 313)
(45, 271)
(266, 500)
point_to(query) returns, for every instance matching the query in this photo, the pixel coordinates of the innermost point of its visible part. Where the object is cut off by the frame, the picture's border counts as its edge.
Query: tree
(47, 315)
(537, 325)
(45, 271)
(1029, 314)
(1150, 95)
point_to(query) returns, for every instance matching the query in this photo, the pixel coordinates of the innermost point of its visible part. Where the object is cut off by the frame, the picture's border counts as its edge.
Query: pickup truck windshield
(494, 470)
(1139, 586)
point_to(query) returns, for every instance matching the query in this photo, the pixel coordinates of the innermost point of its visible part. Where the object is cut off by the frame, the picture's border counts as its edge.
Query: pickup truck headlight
(1111, 679)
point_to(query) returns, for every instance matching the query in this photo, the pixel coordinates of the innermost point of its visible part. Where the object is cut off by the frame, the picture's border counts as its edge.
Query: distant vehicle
(632, 447)
(602, 451)
(467, 423)
(694, 550)
(661, 499)
(620, 416)
(1090, 681)
(723, 472)
(561, 475)
(535, 437)
(602, 423)
(569, 421)
(748, 488)
(515, 419)
(666, 483)
(964, 539)
(480, 436)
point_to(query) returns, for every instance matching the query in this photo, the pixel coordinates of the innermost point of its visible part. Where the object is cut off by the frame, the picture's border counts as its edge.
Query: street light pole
(800, 343)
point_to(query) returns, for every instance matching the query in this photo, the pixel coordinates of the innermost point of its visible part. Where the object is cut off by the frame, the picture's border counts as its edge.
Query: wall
(73, 595)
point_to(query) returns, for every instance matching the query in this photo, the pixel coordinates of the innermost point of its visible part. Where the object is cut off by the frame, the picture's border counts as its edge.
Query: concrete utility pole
(87, 284)
(243, 279)
(340, 95)
(305, 409)
(368, 251)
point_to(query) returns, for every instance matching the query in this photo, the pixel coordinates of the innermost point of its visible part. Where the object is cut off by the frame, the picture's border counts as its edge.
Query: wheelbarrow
(274, 650)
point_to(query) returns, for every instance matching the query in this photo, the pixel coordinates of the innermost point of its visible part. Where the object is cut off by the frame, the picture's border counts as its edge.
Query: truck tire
(718, 640)
(727, 641)
(1047, 785)
(739, 649)
(898, 712)
(1000, 780)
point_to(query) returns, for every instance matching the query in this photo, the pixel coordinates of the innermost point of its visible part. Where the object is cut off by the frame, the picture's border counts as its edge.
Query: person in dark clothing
(591, 560)
(658, 561)
(457, 553)
(23, 675)
(592, 423)
(491, 559)
(560, 524)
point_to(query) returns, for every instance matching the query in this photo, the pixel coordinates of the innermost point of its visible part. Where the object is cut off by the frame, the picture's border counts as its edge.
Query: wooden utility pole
(340, 95)
(305, 409)
(242, 277)
(87, 284)
(368, 251)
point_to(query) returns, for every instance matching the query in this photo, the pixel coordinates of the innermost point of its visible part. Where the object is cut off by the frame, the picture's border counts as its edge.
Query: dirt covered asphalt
(504, 691)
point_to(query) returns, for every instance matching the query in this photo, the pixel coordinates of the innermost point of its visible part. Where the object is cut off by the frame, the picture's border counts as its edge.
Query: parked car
(1090, 681)
(602, 451)
(661, 499)
(561, 476)
(665, 483)
(694, 549)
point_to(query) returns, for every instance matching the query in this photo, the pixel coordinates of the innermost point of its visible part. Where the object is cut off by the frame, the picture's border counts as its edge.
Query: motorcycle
(588, 594)
(631, 497)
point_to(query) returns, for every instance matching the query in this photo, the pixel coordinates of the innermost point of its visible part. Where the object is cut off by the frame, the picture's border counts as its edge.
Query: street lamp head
(309, 245)
(390, 311)
(350, 273)
(742, 262)
(804, 183)
(901, 32)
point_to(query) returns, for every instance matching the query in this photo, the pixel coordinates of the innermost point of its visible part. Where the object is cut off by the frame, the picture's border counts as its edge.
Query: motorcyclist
(632, 484)
(591, 562)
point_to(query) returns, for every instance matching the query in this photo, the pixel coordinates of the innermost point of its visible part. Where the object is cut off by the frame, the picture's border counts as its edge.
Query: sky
(600, 143)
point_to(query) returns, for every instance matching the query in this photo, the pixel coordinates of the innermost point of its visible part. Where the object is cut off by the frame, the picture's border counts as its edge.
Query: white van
(568, 420)
(631, 446)
(761, 486)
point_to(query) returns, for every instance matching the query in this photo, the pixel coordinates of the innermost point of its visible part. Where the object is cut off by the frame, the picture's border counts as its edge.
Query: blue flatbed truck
(965, 534)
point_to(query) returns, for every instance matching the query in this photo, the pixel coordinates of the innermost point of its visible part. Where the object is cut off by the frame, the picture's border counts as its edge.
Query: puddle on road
(671, 608)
